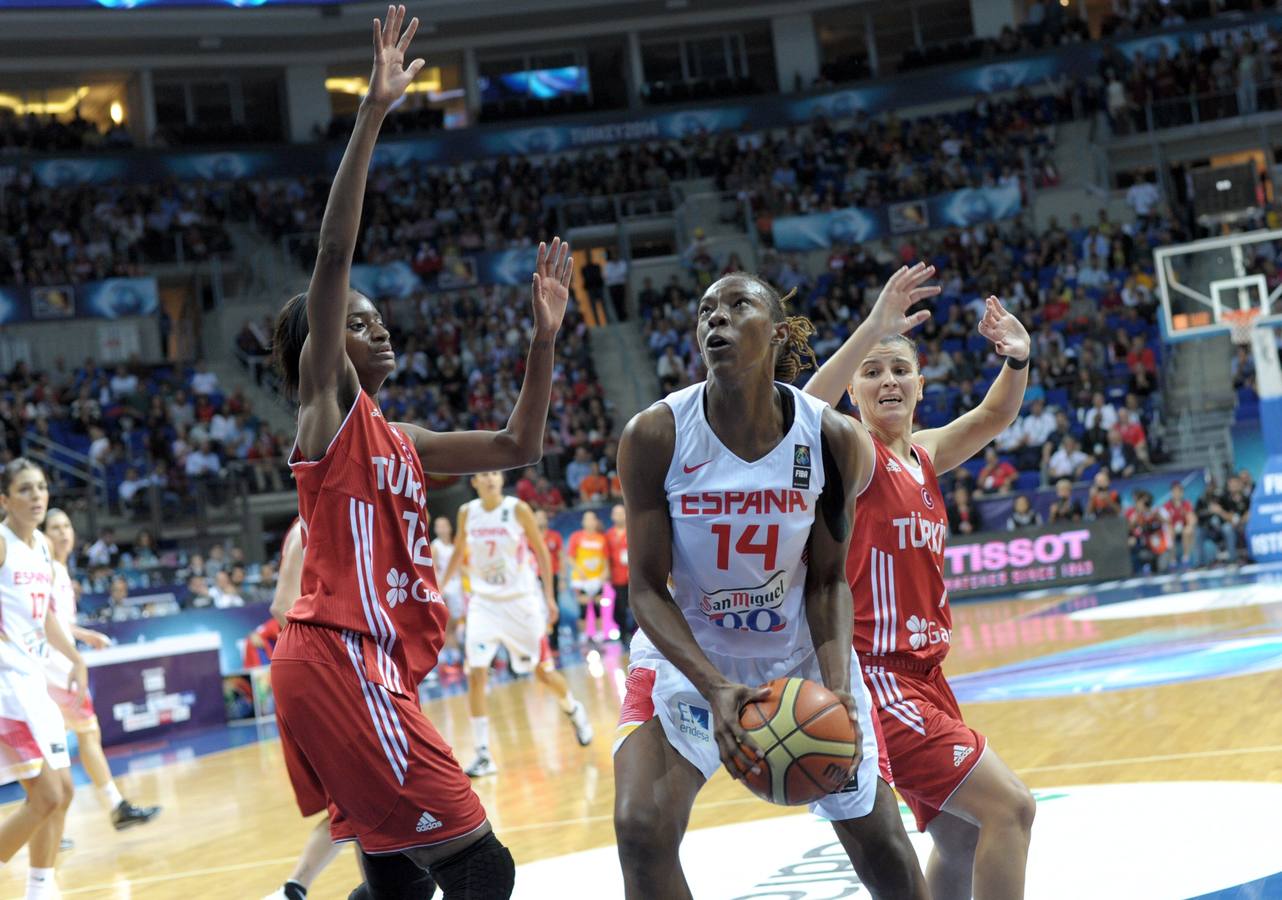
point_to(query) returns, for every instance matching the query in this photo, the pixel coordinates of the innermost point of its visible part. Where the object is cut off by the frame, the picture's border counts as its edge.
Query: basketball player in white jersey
(442, 550)
(740, 488)
(33, 741)
(80, 716)
(507, 606)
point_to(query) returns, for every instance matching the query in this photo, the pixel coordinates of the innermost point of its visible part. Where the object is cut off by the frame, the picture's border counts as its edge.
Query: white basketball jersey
(62, 607)
(26, 581)
(740, 530)
(497, 553)
(442, 553)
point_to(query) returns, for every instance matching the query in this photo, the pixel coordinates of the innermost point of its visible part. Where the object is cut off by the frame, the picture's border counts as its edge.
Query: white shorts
(519, 624)
(687, 719)
(454, 602)
(592, 586)
(32, 733)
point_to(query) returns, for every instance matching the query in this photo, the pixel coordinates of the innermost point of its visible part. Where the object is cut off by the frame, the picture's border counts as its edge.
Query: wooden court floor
(230, 828)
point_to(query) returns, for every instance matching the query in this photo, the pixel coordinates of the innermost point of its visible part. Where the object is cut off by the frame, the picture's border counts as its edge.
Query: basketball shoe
(481, 766)
(582, 727)
(126, 815)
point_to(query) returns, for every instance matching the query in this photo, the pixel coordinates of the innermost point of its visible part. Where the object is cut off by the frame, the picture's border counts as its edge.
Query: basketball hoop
(1240, 322)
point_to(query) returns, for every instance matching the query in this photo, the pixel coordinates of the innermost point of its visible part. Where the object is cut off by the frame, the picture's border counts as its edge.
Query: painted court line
(1166, 757)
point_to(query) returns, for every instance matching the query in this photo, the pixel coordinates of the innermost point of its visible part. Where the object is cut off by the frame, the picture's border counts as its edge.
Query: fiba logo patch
(695, 721)
(801, 467)
(926, 498)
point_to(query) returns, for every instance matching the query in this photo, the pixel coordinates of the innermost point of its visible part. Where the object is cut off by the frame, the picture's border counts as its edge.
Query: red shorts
(364, 750)
(931, 749)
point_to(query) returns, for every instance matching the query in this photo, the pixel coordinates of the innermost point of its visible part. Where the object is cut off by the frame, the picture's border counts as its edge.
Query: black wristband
(1019, 363)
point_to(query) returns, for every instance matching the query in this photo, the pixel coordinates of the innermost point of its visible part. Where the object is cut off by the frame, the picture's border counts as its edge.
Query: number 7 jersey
(740, 529)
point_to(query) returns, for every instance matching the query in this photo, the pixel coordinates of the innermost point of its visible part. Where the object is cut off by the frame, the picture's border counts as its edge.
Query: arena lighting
(428, 81)
(49, 108)
(117, 112)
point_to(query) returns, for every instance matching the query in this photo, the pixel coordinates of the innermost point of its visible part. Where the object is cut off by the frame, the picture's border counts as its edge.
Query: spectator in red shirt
(1147, 534)
(526, 491)
(997, 476)
(552, 540)
(1181, 519)
(547, 496)
(1132, 431)
(616, 542)
(1139, 353)
(594, 487)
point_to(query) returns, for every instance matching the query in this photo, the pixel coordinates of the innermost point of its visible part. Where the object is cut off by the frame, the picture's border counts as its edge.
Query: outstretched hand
(391, 77)
(1007, 333)
(906, 287)
(551, 287)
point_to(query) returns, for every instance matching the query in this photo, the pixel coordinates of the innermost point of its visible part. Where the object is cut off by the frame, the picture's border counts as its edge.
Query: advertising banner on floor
(1049, 557)
(231, 627)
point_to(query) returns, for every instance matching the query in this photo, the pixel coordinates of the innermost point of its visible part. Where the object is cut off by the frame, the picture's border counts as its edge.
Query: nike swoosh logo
(689, 469)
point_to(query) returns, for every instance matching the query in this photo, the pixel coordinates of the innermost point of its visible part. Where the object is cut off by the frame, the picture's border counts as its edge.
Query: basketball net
(1241, 323)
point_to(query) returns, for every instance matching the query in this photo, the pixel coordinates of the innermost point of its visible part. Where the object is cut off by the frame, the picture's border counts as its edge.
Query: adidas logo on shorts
(427, 822)
(960, 752)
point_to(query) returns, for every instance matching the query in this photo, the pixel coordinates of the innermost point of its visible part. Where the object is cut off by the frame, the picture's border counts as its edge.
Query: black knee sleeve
(393, 876)
(482, 871)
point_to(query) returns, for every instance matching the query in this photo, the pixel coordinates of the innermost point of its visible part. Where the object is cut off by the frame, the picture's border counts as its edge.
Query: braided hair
(796, 355)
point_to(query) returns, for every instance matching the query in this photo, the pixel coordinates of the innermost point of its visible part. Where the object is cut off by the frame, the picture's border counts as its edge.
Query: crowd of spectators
(46, 134)
(1190, 85)
(153, 436)
(68, 235)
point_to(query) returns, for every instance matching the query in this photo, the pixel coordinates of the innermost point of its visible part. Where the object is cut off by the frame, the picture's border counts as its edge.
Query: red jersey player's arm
(956, 442)
(460, 548)
(520, 443)
(525, 516)
(830, 608)
(289, 580)
(645, 452)
(328, 383)
(888, 316)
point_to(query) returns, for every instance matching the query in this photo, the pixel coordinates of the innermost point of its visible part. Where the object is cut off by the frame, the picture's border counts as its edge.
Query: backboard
(1199, 282)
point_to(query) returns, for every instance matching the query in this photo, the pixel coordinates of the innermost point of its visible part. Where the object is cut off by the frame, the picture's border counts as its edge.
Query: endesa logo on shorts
(694, 721)
(747, 609)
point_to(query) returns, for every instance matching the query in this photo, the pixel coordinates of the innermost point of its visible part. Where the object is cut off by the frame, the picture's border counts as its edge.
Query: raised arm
(888, 316)
(289, 580)
(520, 443)
(959, 440)
(525, 516)
(324, 366)
(830, 608)
(645, 452)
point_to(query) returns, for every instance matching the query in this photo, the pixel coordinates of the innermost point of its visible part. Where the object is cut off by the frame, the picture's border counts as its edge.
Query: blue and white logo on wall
(63, 172)
(526, 141)
(381, 282)
(838, 105)
(403, 153)
(118, 298)
(506, 266)
(219, 166)
(694, 122)
(11, 310)
(850, 226)
(1150, 48)
(975, 205)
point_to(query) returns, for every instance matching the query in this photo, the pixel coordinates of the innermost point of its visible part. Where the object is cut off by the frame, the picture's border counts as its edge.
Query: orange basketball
(806, 739)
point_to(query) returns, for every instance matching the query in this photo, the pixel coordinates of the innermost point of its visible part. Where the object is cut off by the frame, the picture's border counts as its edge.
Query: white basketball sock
(110, 794)
(481, 733)
(567, 702)
(40, 884)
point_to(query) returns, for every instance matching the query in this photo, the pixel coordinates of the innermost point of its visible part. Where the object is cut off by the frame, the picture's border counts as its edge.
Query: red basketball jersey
(368, 565)
(896, 562)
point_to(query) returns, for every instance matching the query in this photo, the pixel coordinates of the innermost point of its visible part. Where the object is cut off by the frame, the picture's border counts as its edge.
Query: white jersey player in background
(442, 552)
(33, 740)
(507, 605)
(79, 715)
(740, 489)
